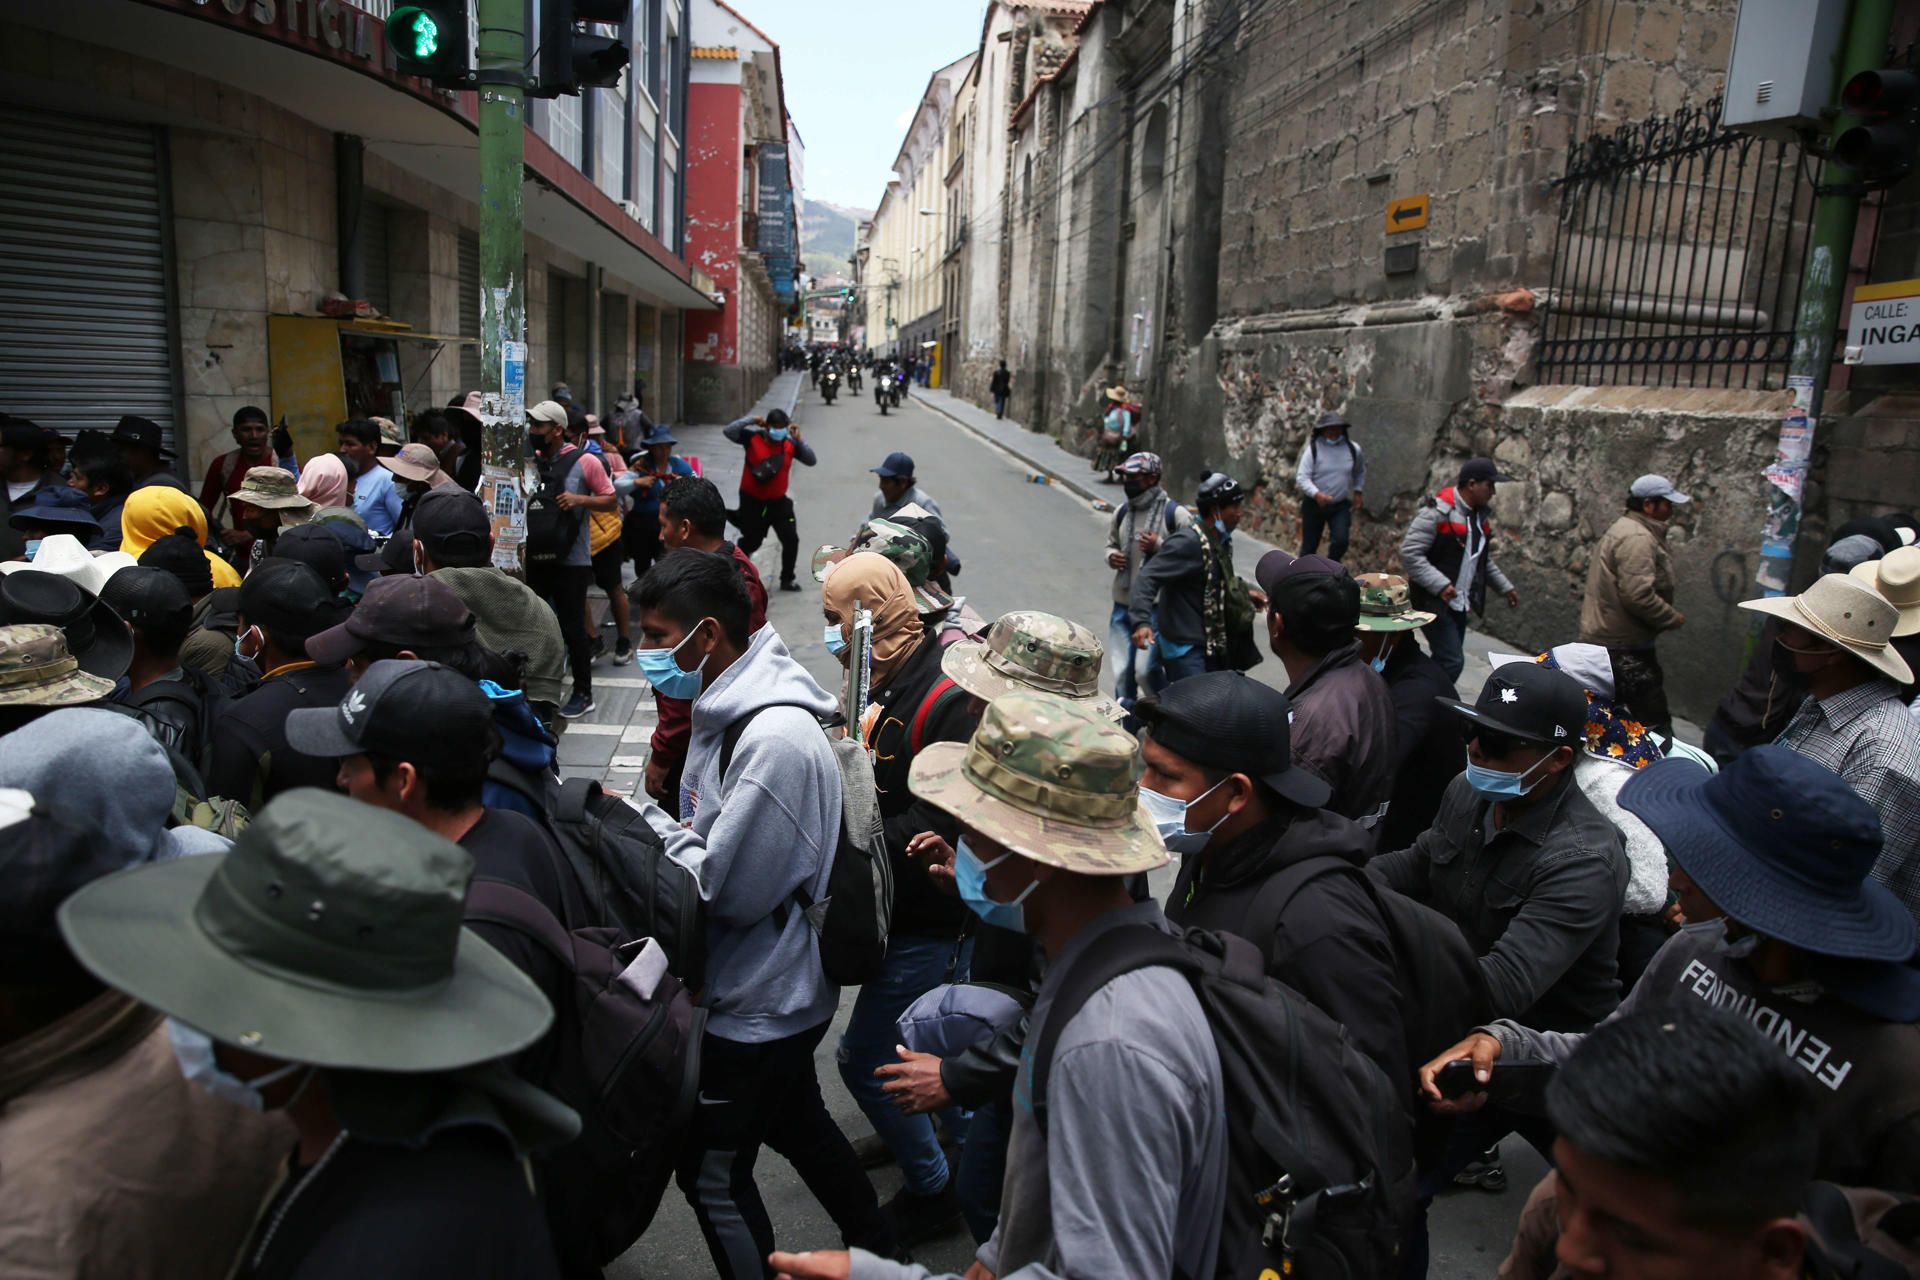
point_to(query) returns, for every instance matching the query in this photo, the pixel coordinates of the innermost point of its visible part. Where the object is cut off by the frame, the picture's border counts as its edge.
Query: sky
(855, 70)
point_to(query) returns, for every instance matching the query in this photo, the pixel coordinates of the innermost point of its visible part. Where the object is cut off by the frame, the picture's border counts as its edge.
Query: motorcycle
(853, 377)
(897, 387)
(829, 384)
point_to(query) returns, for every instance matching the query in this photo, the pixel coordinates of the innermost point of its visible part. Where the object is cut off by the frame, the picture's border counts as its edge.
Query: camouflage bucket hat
(37, 669)
(1050, 780)
(1387, 605)
(909, 553)
(275, 489)
(1032, 650)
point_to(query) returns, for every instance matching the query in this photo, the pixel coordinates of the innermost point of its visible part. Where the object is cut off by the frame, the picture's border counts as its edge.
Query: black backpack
(551, 529)
(181, 713)
(1320, 1175)
(621, 865)
(851, 922)
(1443, 995)
(625, 1054)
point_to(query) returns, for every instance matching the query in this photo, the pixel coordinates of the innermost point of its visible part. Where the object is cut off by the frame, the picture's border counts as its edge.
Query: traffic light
(430, 40)
(571, 58)
(1881, 148)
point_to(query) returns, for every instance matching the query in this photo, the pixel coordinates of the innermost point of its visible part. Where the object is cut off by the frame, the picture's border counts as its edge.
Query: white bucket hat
(1847, 612)
(62, 553)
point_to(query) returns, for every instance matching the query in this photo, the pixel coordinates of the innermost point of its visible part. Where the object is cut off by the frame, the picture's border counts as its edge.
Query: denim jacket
(1539, 899)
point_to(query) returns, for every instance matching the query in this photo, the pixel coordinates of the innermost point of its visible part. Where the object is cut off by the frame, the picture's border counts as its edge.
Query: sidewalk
(1071, 471)
(610, 744)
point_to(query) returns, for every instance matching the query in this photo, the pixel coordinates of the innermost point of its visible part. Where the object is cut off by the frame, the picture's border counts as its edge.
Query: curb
(1082, 489)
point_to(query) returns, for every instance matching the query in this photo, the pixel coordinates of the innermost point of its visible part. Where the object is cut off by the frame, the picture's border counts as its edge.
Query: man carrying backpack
(1264, 859)
(1331, 474)
(559, 547)
(1126, 1173)
(761, 832)
(177, 704)
(1144, 520)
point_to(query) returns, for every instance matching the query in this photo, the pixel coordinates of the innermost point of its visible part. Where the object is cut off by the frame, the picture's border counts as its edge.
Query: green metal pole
(1822, 291)
(501, 62)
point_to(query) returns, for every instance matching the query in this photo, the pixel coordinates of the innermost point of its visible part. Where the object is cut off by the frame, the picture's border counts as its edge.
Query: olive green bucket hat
(1032, 650)
(38, 670)
(1049, 779)
(275, 489)
(1387, 605)
(329, 934)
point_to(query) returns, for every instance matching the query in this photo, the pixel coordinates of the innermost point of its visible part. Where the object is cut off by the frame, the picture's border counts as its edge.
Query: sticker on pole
(1884, 325)
(507, 513)
(513, 373)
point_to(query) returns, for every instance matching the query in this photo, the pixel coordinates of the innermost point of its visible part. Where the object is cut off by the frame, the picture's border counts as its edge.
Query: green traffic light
(422, 34)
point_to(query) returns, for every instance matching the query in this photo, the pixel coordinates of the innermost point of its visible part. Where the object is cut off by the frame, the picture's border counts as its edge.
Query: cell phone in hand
(1522, 1085)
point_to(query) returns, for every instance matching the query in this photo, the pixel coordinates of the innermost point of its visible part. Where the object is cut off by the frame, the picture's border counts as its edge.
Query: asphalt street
(1022, 545)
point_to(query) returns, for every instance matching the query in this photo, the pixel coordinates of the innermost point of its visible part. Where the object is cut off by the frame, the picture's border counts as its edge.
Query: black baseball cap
(142, 432)
(411, 612)
(312, 544)
(1482, 469)
(1223, 720)
(1525, 700)
(1314, 596)
(288, 597)
(451, 526)
(145, 596)
(184, 558)
(418, 712)
(396, 557)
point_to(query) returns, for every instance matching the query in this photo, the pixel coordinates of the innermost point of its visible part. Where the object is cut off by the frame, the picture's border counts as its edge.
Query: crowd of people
(315, 966)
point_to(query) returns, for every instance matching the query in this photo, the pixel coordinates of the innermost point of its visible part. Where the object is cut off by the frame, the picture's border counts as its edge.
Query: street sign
(1407, 214)
(1884, 327)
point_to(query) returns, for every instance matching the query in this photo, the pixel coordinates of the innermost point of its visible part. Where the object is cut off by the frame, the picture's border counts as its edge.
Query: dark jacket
(1435, 545)
(920, 909)
(1343, 730)
(1539, 900)
(1762, 699)
(252, 762)
(1331, 944)
(1176, 576)
(1001, 383)
(1429, 753)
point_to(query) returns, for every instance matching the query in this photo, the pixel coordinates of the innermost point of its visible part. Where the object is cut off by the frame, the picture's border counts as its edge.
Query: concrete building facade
(187, 182)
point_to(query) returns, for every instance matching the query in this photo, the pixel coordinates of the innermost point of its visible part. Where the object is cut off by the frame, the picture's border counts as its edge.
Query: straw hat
(1847, 612)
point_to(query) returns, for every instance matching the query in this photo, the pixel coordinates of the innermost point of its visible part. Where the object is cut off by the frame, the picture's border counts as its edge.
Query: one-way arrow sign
(1408, 214)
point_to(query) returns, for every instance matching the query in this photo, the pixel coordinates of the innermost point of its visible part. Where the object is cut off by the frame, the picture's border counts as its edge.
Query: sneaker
(623, 652)
(1483, 1171)
(599, 648)
(789, 585)
(578, 705)
(873, 1151)
(917, 1219)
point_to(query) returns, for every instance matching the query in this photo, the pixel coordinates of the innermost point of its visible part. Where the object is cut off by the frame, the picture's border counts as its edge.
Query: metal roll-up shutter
(84, 334)
(373, 244)
(469, 309)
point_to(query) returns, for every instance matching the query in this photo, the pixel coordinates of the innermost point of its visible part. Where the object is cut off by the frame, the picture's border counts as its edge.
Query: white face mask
(193, 1050)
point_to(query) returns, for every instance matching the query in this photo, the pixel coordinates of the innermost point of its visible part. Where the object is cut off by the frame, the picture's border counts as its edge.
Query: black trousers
(643, 540)
(564, 588)
(768, 1094)
(1640, 685)
(756, 516)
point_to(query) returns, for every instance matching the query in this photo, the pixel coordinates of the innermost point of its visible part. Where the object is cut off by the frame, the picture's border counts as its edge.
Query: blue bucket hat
(661, 434)
(1781, 844)
(57, 504)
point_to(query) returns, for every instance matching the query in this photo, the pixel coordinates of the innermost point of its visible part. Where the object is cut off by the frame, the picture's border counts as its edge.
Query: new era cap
(1223, 720)
(419, 712)
(1535, 703)
(408, 611)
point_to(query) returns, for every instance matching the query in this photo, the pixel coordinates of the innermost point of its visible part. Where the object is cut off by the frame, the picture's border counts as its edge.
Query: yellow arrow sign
(1409, 214)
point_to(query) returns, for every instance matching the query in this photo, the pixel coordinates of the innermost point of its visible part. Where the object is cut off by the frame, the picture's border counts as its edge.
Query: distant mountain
(827, 236)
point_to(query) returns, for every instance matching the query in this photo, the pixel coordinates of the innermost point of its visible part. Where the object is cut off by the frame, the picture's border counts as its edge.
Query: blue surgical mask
(33, 547)
(836, 643)
(776, 434)
(1379, 663)
(1497, 784)
(970, 877)
(1714, 933)
(193, 1051)
(663, 673)
(1170, 815)
(240, 640)
(1221, 527)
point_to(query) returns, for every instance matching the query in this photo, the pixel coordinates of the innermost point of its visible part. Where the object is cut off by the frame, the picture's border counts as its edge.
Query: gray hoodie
(754, 837)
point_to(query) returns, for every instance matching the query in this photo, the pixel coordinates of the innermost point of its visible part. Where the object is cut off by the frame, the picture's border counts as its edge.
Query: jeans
(769, 1094)
(1446, 640)
(913, 967)
(564, 588)
(1191, 663)
(756, 516)
(1639, 685)
(1135, 671)
(983, 1166)
(1475, 1133)
(1336, 519)
(999, 406)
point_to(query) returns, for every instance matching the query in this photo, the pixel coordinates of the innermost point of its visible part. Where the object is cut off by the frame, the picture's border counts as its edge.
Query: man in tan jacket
(1630, 598)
